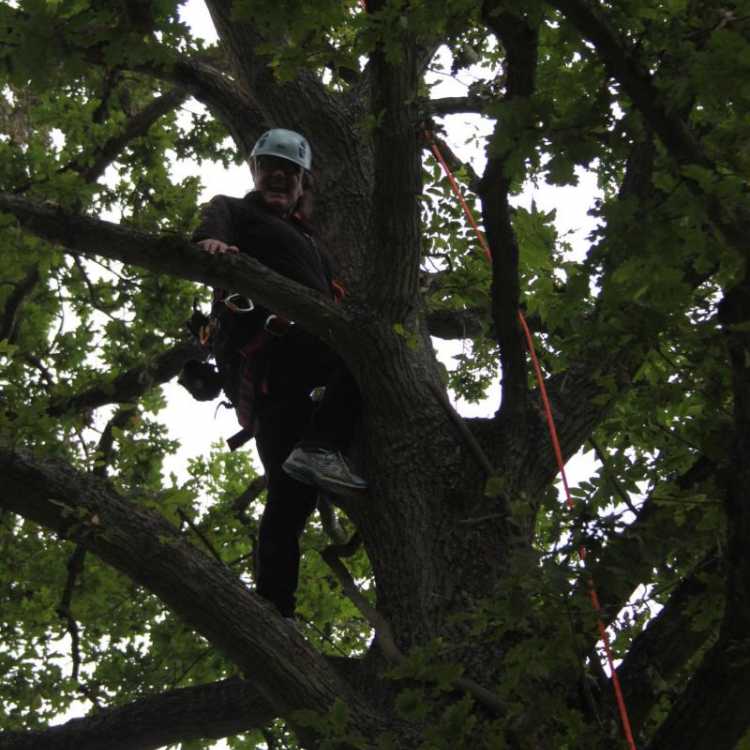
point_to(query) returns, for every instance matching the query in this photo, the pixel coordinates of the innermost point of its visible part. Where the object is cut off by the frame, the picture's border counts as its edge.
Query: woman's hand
(217, 247)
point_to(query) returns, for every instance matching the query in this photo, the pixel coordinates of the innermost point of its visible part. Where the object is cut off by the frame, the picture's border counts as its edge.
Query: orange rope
(620, 699)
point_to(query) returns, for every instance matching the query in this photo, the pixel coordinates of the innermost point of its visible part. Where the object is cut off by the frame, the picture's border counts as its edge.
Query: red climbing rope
(620, 699)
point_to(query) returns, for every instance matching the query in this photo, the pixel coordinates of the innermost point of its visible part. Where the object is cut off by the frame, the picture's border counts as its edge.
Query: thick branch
(520, 41)
(303, 102)
(145, 547)
(456, 324)
(210, 711)
(21, 291)
(453, 105)
(393, 264)
(712, 711)
(695, 723)
(629, 558)
(577, 395)
(176, 256)
(734, 315)
(133, 383)
(658, 655)
(622, 64)
(730, 219)
(92, 166)
(228, 101)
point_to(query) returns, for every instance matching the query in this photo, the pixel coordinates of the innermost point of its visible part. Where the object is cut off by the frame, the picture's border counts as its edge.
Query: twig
(330, 522)
(482, 519)
(463, 430)
(241, 503)
(332, 556)
(611, 475)
(104, 451)
(199, 534)
(23, 289)
(75, 568)
(77, 558)
(185, 672)
(39, 365)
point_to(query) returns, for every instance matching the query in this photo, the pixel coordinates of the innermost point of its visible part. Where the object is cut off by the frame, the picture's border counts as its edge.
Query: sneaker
(324, 469)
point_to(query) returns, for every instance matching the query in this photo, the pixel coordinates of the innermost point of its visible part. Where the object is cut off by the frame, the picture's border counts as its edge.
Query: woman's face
(279, 182)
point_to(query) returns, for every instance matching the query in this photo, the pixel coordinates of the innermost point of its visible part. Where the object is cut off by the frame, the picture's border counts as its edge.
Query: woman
(270, 366)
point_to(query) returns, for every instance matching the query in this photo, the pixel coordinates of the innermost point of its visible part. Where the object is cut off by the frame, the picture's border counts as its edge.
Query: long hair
(304, 207)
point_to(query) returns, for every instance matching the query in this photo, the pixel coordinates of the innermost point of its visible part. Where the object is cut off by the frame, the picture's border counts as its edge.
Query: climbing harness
(621, 707)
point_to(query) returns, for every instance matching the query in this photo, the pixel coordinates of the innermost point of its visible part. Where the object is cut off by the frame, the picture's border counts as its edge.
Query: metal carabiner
(236, 308)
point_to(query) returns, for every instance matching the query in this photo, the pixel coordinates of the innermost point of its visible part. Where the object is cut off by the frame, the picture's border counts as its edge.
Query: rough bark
(202, 712)
(287, 672)
(439, 546)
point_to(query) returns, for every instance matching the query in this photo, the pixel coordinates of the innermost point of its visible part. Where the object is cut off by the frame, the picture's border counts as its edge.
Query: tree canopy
(448, 608)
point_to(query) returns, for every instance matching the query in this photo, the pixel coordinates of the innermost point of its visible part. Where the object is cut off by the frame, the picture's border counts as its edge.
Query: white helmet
(286, 144)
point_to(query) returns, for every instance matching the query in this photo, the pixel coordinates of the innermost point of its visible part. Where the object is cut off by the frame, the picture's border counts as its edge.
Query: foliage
(629, 334)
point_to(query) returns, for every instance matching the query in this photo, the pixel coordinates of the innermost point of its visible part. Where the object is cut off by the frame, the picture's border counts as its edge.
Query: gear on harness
(236, 335)
(201, 380)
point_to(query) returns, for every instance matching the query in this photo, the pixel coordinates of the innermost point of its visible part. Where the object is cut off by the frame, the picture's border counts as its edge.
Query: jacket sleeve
(216, 221)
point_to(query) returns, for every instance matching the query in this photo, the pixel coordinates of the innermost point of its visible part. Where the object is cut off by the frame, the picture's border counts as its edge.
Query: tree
(459, 558)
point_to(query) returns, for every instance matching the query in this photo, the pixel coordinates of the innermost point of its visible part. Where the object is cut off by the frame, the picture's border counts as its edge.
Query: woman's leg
(289, 504)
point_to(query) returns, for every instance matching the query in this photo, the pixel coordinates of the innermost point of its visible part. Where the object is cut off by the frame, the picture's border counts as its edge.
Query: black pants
(286, 417)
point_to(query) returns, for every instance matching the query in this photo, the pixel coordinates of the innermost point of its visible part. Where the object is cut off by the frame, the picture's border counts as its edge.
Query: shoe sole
(305, 475)
(338, 488)
(299, 473)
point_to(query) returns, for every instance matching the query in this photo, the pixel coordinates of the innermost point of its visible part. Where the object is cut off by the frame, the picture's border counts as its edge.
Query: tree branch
(623, 65)
(455, 164)
(229, 102)
(133, 383)
(21, 291)
(577, 396)
(456, 324)
(212, 711)
(176, 256)
(91, 166)
(629, 558)
(659, 654)
(723, 670)
(142, 545)
(304, 101)
(520, 41)
(698, 723)
(75, 568)
(455, 105)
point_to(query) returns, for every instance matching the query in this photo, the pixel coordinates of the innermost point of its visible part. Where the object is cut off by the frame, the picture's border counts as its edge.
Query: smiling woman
(279, 162)
(269, 367)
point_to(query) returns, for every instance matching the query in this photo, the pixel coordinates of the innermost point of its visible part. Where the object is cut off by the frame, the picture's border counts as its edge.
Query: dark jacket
(282, 367)
(285, 246)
